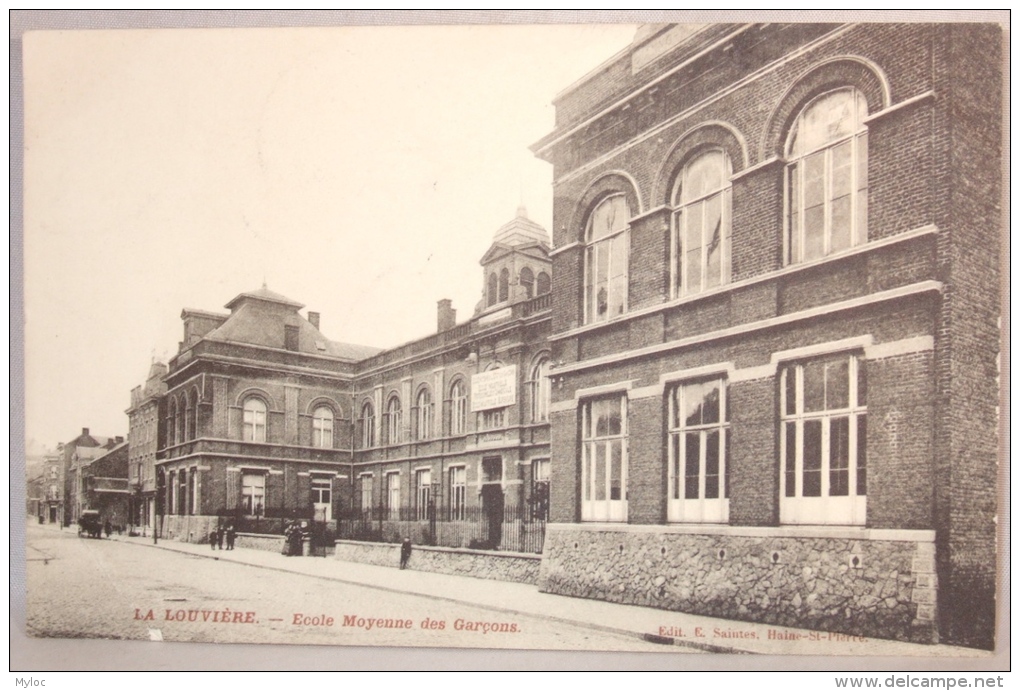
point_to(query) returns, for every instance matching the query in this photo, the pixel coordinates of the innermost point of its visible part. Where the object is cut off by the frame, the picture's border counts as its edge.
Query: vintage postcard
(680, 338)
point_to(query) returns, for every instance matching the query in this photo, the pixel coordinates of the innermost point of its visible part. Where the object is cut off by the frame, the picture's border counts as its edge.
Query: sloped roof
(258, 318)
(521, 231)
(265, 295)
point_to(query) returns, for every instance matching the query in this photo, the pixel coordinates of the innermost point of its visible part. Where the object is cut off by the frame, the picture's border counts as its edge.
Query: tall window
(458, 407)
(698, 452)
(701, 225)
(254, 419)
(253, 494)
(171, 423)
(824, 441)
(188, 429)
(528, 282)
(604, 460)
(181, 417)
(540, 390)
(605, 260)
(393, 494)
(393, 420)
(322, 497)
(827, 177)
(543, 283)
(367, 426)
(423, 410)
(504, 285)
(423, 493)
(458, 493)
(366, 492)
(492, 294)
(322, 427)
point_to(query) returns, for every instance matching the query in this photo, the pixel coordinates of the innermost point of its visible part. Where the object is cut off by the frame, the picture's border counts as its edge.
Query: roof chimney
(446, 316)
(313, 319)
(84, 431)
(120, 439)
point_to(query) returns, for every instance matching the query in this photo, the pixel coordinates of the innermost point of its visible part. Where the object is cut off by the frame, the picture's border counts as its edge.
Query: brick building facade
(775, 327)
(265, 419)
(143, 432)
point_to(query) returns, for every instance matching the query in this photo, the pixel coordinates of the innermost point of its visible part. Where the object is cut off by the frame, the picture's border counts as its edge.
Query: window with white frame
(423, 493)
(540, 391)
(827, 177)
(366, 492)
(393, 494)
(253, 494)
(458, 493)
(322, 427)
(423, 414)
(823, 441)
(700, 245)
(458, 407)
(254, 419)
(606, 259)
(394, 420)
(322, 497)
(699, 452)
(604, 459)
(367, 426)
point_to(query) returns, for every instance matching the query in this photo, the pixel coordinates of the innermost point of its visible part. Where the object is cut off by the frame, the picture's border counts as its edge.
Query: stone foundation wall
(496, 566)
(868, 583)
(188, 528)
(266, 543)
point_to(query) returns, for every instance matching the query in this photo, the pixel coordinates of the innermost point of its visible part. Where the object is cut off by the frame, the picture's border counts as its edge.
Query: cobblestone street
(81, 588)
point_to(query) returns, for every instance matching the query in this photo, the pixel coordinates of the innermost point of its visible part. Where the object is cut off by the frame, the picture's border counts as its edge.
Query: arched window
(393, 420)
(528, 282)
(504, 285)
(827, 177)
(492, 294)
(423, 410)
(171, 420)
(539, 385)
(605, 260)
(458, 407)
(701, 224)
(322, 427)
(543, 284)
(182, 416)
(254, 419)
(367, 426)
(194, 414)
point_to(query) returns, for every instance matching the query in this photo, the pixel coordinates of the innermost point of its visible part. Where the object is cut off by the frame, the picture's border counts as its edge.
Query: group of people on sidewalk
(218, 535)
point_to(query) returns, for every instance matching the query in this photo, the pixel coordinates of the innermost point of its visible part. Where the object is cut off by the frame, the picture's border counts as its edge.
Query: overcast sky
(361, 171)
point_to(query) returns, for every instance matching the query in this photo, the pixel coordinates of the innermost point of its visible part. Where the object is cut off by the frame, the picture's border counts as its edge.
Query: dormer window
(290, 337)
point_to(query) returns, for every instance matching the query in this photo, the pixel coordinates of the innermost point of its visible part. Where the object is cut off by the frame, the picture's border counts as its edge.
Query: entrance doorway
(492, 499)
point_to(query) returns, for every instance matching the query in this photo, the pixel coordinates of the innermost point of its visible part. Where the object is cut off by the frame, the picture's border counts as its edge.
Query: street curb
(647, 637)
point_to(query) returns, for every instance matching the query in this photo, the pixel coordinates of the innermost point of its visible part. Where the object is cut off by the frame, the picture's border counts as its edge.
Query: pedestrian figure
(220, 534)
(230, 536)
(405, 552)
(107, 528)
(213, 538)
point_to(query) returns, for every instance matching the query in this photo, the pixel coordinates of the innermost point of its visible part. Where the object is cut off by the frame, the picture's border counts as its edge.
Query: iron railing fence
(511, 528)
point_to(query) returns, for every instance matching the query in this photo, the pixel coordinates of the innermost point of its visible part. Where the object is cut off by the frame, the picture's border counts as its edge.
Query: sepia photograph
(674, 337)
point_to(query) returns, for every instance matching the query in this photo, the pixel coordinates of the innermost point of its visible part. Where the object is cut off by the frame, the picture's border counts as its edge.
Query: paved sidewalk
(668, 628)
